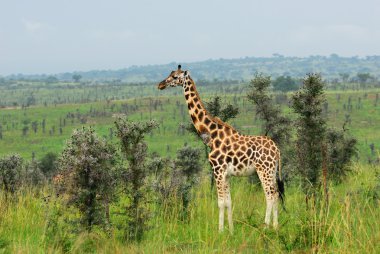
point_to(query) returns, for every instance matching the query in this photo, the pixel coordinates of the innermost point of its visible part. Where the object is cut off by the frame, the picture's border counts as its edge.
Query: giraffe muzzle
(162, 85)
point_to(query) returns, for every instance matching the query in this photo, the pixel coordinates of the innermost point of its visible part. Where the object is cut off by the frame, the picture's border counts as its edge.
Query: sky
(51, 36)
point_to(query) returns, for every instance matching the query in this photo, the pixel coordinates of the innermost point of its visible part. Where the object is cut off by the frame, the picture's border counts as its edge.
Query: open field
(169, 109)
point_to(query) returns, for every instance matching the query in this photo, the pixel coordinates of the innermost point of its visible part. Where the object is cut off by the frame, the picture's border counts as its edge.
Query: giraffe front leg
(229, 210)
(224, 201)
(221, 188)
(221, 206)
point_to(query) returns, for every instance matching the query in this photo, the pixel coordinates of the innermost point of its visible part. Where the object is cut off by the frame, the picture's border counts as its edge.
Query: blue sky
(47, 36)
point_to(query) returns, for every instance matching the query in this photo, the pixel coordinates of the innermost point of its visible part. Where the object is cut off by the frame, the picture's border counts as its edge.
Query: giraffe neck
(203, 122)
(199, 115)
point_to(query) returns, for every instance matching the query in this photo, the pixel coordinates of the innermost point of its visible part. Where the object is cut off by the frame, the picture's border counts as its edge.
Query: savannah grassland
(350, 223)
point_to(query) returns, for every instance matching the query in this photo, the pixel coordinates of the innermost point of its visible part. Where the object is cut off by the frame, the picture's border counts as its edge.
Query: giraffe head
(175, 78)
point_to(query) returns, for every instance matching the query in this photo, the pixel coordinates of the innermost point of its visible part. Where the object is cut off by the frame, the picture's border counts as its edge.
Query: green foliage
(33, 175)
(351, 225)
(363, 77)
(189, 166)
(174, 180)
(274, 125)
(215, 108)
(86, 165)
(284, 84)
(48, 164)
(135, 175)
(311, 130)
(10, 173)
(341, 150)
(76, 77)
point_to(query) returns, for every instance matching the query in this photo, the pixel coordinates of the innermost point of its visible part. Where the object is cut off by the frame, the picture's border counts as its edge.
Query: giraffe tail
(280, 184)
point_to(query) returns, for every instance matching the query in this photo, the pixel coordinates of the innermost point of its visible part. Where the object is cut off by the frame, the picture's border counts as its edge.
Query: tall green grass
(349, 224)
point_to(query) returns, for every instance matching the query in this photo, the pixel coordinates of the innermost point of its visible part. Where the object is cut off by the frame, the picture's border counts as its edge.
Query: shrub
(48, 164)
(86, 165)
(341, 149)
(135, 174)
(33, 175)
(174, 180)
(189, 166)
(10, 173)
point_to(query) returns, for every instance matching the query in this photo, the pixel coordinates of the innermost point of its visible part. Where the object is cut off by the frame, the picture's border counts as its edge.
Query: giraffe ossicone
(232, 154)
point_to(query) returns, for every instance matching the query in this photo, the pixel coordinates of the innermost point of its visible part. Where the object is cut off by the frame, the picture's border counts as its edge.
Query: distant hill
(235, 69)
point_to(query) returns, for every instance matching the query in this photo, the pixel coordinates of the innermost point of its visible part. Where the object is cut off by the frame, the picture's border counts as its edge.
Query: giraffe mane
(196, 93)
(219, 121)
(215, 119)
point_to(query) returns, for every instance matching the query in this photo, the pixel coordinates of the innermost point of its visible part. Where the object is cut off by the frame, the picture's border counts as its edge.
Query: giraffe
(232, 154)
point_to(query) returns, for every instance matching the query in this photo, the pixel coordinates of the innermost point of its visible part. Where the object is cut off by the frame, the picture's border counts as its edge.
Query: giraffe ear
(187, 73)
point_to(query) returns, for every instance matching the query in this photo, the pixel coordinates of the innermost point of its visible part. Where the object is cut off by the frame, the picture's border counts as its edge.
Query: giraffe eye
(175, 77)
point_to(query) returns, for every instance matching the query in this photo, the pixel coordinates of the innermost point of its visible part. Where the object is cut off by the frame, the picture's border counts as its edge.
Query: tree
(25, 130)
(51, 79)
(215, 108)
(344, 77)
(30, 100)
(284, 84)
(274, 125)
(77, 78)
(311, 130)
(322, 154)
(86, 165)
(134, 175)
(363, 77)
(35, 126)
(10, 173)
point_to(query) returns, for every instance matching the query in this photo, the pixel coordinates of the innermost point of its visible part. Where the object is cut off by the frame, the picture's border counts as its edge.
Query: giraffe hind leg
(275, 211)
(229, 208)
(271, 195)
(268, 212)
(221, 214)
